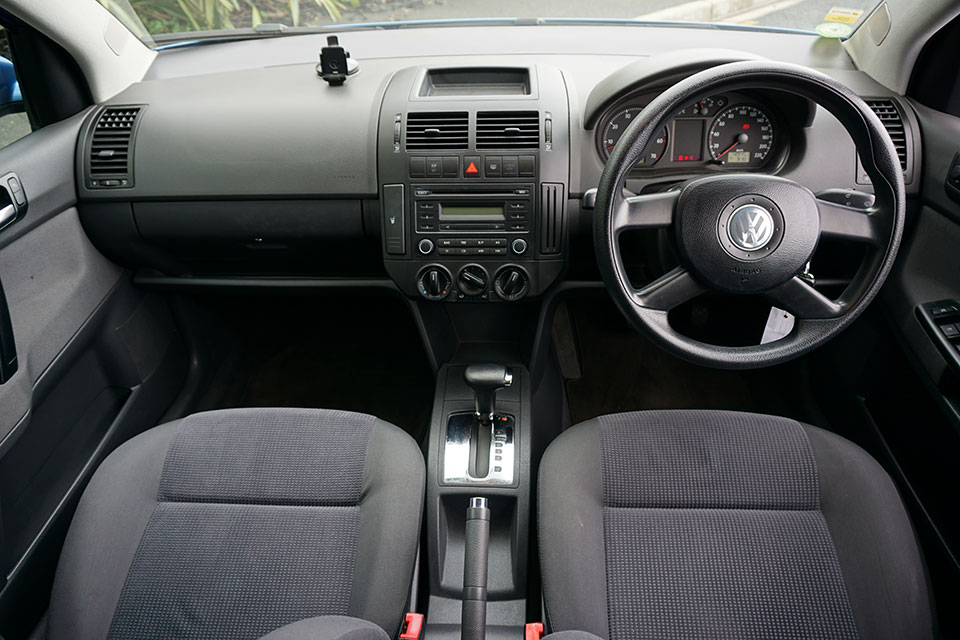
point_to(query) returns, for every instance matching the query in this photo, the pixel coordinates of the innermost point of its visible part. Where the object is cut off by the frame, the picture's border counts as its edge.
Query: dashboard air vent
(437, 130)
(889, 115)
(110, 154)
(508, 130)
(551, 218)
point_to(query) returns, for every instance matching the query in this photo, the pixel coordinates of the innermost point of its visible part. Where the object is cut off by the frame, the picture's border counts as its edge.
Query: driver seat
(711, 524)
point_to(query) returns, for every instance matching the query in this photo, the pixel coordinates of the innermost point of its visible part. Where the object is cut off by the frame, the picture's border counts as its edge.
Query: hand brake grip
(473, 621)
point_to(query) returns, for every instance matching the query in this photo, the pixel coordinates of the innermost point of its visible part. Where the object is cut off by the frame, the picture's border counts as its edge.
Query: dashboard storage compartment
(478, 81)
(263, 237)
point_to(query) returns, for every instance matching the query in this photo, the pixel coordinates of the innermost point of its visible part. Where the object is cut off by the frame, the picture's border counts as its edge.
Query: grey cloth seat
(709, 524)
(232, 524)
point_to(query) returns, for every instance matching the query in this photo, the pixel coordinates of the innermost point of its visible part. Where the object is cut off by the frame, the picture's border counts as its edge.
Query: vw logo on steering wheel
(750, 227)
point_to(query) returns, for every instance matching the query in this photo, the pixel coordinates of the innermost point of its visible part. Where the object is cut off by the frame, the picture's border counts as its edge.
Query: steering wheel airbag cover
(704, 237)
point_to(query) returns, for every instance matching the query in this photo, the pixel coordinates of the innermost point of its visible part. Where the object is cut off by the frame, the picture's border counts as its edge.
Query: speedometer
(741, 135)
(618, 124)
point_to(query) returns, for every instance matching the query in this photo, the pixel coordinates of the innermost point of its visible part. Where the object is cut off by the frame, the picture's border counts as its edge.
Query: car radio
(473, 208)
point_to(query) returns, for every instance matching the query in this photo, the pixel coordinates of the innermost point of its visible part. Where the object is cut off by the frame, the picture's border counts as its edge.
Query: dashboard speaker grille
(508, 130)
(438, 130)
(892, 121)
(110, 155)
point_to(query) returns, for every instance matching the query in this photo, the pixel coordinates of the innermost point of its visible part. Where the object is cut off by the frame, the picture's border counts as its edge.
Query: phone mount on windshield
(336, 65)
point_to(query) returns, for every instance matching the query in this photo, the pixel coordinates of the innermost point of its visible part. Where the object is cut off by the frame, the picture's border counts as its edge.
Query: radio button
(518, 226)
(418, 167)
(499, 242)
(519, 246)
(446, 251)
(511, 167)
(491, 166)
(425, 246)
(446, 242)
(500, 251)
(426, 226)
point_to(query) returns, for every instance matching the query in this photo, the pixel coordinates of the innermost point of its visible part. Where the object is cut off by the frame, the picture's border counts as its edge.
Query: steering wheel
(750, 233)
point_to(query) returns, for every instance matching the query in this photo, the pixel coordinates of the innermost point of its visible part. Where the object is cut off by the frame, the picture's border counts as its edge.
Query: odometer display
(741, 135)
(618, 124)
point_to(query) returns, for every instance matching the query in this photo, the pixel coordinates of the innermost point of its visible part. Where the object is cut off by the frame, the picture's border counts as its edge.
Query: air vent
(437, 130)
(110, 148)
(551, 218)
(889, 115)
(508, 130)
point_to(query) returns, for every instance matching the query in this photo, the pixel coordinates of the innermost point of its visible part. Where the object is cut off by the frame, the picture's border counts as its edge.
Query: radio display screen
(471, 212)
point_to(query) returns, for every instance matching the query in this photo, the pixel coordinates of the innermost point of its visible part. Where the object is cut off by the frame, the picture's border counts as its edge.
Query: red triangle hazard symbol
(472, 169)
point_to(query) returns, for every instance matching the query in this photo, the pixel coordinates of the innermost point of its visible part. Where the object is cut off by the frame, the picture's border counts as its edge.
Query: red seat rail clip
(533, 631)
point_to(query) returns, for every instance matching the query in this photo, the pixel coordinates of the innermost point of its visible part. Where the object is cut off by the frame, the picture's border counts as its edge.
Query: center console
(473, 167)
(480, 440)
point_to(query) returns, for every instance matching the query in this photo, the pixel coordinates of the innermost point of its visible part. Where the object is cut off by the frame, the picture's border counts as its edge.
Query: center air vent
(110, 161)
(437, 130)
(889, 115)
(508, 130)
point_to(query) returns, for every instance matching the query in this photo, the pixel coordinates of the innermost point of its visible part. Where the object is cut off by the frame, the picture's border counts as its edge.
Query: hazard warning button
(471, 166)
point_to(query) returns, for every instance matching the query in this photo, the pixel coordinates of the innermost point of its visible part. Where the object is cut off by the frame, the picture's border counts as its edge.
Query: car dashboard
(441, 169)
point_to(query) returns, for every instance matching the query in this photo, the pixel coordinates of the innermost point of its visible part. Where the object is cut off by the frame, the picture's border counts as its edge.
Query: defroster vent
(111, 156)
(438, 130)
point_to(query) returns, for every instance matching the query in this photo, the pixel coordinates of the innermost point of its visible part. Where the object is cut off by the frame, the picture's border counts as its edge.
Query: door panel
(99, 361)
(928, 268)
(54, 279)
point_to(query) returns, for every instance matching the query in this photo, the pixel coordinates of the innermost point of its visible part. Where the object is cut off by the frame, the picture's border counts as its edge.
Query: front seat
(708, 524)
(232, 524)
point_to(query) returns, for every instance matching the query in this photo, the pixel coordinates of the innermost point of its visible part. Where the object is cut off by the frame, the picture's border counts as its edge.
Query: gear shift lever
(486, 380)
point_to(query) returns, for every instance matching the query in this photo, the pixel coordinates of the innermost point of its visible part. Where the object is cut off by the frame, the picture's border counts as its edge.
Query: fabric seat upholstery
(235, 523)
(709, 524)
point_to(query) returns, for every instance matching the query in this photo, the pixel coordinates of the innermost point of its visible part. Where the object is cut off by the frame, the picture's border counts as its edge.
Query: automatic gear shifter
(479, 445)
(486, 380)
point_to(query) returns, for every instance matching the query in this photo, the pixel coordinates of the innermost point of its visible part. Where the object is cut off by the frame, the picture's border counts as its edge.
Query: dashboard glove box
(302, 237)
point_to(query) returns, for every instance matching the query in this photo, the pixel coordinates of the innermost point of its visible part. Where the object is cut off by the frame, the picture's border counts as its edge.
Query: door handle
(7, 214)
(13, 200)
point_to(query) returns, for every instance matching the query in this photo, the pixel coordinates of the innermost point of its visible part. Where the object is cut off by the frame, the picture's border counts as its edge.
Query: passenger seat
(235, 523)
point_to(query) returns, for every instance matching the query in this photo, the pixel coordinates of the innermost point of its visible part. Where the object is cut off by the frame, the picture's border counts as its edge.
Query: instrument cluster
(727, 131)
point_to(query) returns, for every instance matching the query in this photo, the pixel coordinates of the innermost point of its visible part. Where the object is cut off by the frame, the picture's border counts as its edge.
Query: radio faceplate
(472, 208)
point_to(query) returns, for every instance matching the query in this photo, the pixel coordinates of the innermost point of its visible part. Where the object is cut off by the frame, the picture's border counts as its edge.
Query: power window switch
(950, 330)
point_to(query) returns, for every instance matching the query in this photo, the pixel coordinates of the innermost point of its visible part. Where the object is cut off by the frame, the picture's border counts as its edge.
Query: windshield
(163, 21)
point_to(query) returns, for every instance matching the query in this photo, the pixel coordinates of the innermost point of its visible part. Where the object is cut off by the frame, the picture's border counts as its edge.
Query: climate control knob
(511, 283)
(434, 282)
(472, 280)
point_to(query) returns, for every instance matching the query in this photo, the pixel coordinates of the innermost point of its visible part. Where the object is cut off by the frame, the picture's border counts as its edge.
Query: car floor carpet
(622, 371)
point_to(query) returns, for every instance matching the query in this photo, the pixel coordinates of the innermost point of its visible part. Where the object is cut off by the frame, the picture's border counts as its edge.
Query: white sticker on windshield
(842, 14)
(779, 325)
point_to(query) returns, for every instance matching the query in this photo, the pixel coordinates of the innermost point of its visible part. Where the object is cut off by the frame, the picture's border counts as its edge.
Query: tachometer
(618, 124)
(741, 135)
